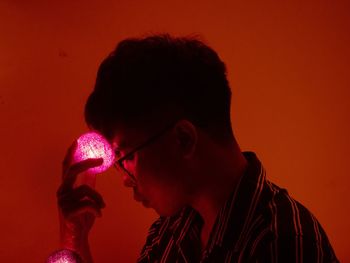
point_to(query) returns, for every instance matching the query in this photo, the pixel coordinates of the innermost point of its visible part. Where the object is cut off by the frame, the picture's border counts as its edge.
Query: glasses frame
(152, 139)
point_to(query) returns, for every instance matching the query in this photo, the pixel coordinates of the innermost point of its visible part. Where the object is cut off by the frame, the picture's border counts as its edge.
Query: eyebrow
(121, 146)
(118, 149)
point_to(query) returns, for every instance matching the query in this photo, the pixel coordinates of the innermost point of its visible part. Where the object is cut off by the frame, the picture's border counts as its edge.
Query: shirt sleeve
(293, 249)
(292, 234)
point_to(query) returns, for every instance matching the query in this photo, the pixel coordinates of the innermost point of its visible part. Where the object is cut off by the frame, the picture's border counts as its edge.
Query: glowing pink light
(94, 145)
(63, 256)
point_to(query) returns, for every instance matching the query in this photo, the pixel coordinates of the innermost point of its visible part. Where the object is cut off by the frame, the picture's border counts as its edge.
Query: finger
(77, 168)
(85, 206)
(79, 194)
(86, 191)
(70, 207)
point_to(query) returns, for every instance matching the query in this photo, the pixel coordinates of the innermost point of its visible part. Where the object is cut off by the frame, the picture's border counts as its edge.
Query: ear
(187, 136)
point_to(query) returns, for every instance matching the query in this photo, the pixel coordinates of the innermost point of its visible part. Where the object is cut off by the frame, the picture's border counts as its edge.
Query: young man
(164, 104)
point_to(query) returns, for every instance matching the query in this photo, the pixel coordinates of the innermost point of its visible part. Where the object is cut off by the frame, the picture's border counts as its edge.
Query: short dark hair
(161, 73)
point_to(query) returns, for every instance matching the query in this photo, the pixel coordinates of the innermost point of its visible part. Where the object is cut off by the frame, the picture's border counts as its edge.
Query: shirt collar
(237, 213)
(233, 217)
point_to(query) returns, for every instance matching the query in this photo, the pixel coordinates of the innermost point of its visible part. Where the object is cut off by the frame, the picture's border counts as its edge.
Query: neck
(225, 166)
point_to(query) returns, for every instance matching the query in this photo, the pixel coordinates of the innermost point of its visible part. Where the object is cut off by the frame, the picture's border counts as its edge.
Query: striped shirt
(259, 222)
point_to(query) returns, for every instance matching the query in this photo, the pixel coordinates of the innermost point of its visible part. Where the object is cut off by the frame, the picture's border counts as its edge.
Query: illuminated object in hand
(94, 145)
(63, 256)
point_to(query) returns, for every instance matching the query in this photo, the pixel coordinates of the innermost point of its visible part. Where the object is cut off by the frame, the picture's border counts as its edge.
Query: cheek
(166, 200)
(161, 165)
(161, 180)
(161, 189)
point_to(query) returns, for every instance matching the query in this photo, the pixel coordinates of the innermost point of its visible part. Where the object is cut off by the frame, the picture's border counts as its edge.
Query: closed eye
(129, 157)
(117, 154)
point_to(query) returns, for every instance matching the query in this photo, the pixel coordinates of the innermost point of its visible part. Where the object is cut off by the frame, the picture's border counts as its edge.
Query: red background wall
(288, 65)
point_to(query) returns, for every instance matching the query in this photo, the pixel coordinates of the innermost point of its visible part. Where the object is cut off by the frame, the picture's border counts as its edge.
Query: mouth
(146, 204)
(139, 198)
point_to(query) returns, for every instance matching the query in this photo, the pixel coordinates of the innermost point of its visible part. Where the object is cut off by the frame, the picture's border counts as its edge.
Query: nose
(127, 181)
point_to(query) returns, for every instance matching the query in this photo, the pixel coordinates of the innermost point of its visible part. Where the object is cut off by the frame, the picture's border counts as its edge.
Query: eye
(129, 157)
(117, 154)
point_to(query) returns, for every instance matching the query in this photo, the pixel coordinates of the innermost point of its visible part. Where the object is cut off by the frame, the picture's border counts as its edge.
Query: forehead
(121, 140)
(127, 134)
(124, 138)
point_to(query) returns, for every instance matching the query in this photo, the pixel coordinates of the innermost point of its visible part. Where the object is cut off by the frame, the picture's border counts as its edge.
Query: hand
(78, 206)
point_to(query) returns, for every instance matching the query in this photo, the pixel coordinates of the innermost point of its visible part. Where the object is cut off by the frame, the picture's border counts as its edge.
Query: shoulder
(292, 232)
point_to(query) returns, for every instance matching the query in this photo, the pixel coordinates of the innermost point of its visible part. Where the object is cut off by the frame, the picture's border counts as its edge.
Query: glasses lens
(120, 167)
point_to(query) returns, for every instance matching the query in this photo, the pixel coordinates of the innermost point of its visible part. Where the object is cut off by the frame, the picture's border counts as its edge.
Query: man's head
(166, 95)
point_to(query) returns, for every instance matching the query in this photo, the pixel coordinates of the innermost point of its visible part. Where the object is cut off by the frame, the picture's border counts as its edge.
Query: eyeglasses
(119, 164)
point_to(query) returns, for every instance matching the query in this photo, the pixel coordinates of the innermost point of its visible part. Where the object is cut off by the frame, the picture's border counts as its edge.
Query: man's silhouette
(164, 104)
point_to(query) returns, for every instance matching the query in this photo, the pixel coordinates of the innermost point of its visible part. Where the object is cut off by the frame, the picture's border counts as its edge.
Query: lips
(137, 196)
(146, 204)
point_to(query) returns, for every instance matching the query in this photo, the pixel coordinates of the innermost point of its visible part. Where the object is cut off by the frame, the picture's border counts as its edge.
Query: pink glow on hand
(94, 145)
